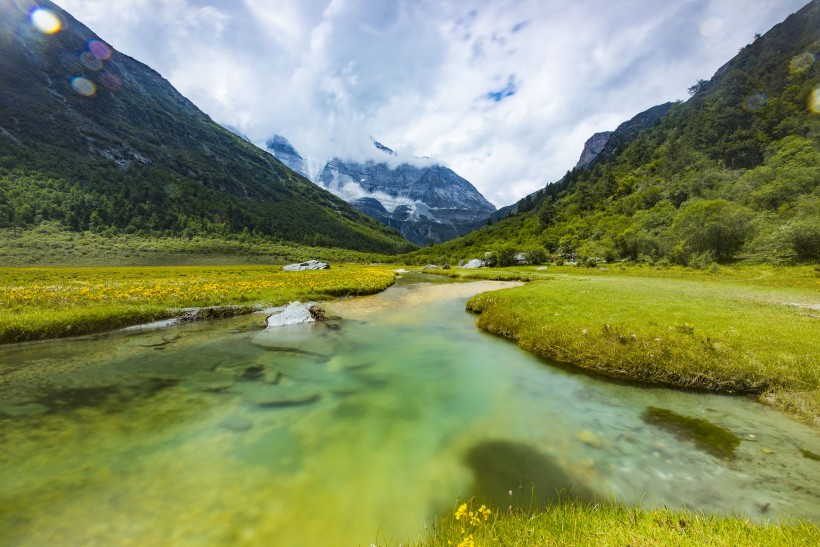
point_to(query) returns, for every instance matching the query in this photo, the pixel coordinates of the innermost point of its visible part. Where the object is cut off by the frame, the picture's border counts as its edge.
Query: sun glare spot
(90, 61)
(84, 87)
(111, 81)
(755, 102)
(711, 27)
(46, 21)
(814, 100)
(100, 50)
(802, 62)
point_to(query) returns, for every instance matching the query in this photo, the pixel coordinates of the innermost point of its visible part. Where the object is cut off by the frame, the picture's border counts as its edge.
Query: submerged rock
(237, 424)
(712, 438)
(295, 314)
(26, 409)
(590, 438)
(280, 395)
(309, 265)
(474, 263)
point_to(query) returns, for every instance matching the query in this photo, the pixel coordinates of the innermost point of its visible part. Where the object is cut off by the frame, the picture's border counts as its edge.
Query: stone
(590, 438)
(211, 381)
(281, 395)
(540, 268)
(445, 267)
(237, 424)
(474, 263)
(295, 313)
(430, 267)
(520, 259)
(26, 409)
(309, 265)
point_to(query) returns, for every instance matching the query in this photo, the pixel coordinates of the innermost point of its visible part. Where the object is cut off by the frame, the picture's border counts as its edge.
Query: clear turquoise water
(350, 432)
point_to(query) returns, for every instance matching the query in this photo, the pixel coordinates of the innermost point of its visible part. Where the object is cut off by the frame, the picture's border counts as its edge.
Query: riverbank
(745, 331)
(578, 523)
(44, 303)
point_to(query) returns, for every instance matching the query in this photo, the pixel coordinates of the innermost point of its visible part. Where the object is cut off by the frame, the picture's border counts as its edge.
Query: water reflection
(221, 433)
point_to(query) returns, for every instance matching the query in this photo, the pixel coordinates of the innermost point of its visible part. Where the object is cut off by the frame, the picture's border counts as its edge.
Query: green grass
(753, 330)
(40, 303)
(51, 245)
(579, 523)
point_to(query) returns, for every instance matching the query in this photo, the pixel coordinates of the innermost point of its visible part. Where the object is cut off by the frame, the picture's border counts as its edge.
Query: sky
(505, 93)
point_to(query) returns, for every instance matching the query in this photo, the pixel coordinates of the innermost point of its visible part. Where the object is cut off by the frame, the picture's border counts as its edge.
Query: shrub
(535, 255)
(505, 255)
(719, 226)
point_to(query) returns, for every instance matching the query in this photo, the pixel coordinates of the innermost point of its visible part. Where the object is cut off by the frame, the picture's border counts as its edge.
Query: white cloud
(416, 74)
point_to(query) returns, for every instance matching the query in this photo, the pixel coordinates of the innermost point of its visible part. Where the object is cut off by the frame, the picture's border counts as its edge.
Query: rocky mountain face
(592, 148)
(427, 204)
(94, 139)
(598, 146)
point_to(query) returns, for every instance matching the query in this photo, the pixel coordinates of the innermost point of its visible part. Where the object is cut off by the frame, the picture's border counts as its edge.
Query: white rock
(474, 263)
(309, 265)
(295, 314)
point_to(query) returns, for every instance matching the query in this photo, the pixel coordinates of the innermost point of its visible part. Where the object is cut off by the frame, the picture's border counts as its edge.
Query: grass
(40, 303)
(742, 330)
(51, 245)
(580, 523)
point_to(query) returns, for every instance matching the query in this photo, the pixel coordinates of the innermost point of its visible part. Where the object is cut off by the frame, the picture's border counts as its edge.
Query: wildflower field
(44, 303)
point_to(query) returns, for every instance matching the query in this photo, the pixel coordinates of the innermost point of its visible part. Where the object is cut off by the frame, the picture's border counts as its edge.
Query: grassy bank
(51, 245)
(37, 304)
(743, 332)
(577, 523)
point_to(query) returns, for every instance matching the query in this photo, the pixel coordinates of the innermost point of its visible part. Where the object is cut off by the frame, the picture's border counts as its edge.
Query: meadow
(578, 523)
(41, 303)
(745, 330)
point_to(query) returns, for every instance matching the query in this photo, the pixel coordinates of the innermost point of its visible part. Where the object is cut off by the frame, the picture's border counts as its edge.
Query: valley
(627, 354)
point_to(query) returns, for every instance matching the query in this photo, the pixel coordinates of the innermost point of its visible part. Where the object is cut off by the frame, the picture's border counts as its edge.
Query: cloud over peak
(505, 93)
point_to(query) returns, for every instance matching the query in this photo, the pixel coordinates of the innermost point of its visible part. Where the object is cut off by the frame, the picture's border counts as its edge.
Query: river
(353, 431)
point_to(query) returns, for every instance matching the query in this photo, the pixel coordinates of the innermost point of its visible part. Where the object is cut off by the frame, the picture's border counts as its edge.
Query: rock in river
(309, 265)
(295, 314)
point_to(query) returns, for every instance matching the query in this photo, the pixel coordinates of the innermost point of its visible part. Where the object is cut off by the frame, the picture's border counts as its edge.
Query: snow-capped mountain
(427, 203)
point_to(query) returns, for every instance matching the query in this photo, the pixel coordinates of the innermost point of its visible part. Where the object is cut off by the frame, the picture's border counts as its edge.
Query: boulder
(489, 259)
(474, 263)
(520, 259)
(295, 313)
(445, 267)
(430, 267)
(309, 265)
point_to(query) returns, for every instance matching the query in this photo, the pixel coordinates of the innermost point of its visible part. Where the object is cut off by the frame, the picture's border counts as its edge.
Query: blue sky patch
(507, 91)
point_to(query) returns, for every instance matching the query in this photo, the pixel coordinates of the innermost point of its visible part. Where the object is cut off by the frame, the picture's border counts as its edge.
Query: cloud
(503, 92)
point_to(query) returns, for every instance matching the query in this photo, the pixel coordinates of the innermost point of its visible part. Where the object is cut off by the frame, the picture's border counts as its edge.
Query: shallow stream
(356, 430)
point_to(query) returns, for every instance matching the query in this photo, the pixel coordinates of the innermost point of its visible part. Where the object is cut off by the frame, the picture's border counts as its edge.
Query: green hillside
(731, 173)
(98, 141)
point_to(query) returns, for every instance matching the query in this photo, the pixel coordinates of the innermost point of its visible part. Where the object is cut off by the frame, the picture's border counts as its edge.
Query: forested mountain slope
(732, 172)
(95, 140)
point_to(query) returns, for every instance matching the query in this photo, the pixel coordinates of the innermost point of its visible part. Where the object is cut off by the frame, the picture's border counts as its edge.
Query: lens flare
(100, 50)
(111, 81)
(711, 27)
(755, 102)
(46, 21)
(802, 62)
(814, 100)
(89, 61)
(84, 87)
